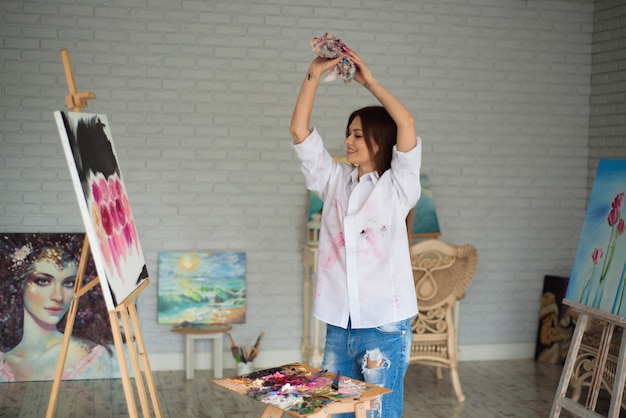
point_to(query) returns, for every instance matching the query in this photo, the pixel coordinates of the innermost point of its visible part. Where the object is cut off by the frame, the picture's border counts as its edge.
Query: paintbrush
(234, 349)
(335, 384)
(317, 375)
(255, 349)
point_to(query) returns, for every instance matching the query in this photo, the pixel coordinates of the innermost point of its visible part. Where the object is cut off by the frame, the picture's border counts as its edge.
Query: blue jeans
(389, 346)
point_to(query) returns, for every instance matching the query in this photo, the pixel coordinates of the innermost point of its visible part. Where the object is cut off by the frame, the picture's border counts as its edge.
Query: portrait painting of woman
(37, 276)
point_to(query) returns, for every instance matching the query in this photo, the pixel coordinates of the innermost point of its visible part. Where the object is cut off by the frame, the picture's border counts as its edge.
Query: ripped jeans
(386, 347)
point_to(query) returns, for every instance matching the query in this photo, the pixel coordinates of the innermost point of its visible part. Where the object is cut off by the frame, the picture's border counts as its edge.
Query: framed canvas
(599, 271)
(556, 322)
(202, 287)
(37, 277)
(103, 203)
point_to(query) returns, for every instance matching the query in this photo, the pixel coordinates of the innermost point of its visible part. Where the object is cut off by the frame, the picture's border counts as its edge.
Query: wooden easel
(561, 401)
(125, 312)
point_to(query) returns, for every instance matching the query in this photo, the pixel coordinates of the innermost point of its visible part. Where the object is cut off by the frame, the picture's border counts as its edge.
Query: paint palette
(299, 389)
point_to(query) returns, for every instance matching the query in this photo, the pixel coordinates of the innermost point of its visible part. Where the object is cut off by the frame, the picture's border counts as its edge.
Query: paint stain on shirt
(333, 253)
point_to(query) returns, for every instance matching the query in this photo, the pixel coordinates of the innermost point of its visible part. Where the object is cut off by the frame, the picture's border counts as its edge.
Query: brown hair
(378, 129)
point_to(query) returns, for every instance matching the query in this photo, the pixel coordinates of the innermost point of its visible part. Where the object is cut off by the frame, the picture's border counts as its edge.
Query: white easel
(561, 401)
(125, 312)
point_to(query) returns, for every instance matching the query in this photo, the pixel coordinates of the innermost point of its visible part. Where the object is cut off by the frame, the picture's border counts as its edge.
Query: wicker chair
(441, 272)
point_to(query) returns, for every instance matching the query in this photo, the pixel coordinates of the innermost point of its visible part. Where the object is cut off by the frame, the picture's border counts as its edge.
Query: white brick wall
(607, 123)
(199, 95)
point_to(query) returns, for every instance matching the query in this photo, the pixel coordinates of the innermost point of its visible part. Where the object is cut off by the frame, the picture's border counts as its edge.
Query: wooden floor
(518, 389)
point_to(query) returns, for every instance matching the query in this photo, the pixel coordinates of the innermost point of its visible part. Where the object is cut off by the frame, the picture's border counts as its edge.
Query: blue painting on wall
(202, 287)
(599, 270)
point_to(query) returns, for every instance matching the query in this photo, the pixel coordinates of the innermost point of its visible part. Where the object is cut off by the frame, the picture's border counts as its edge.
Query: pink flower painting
(598, 276)
(103, 202)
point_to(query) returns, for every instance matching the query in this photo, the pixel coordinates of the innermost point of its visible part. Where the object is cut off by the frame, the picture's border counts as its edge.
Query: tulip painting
(596, 256)
(599, 272)
(103, 202)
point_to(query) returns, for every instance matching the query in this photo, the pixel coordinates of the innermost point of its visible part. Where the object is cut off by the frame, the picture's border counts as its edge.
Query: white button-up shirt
(364, 269)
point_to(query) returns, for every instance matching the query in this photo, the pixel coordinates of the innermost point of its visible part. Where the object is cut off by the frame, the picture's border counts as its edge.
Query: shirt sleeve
(405, 170)
(410, 161)
(311, 147)
(316, 163)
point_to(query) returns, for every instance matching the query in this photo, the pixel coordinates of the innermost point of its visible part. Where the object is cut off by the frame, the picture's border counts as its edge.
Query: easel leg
(121, 358)
(620, 378)
(132, 349)
(568, 368)
(598, 373)
(144, 360)
(69, 326)
(58, 377)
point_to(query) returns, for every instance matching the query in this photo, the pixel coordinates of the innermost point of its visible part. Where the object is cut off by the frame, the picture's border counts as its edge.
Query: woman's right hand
(321, 65)
(300, 120)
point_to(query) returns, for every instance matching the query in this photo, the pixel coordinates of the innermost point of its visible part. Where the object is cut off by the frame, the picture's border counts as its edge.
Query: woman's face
(48, 291)
(357, 152)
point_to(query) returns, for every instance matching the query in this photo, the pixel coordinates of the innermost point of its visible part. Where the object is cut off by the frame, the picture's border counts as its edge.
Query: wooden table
(358, 404)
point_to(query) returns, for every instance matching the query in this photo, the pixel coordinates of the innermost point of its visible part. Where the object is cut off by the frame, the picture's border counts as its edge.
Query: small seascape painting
(202, 287)
(599, 272)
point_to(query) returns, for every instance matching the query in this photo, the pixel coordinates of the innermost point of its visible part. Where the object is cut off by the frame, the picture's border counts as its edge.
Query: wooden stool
(203, 332)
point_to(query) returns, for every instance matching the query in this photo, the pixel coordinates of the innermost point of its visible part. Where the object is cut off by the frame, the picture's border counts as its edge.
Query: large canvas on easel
(599, 272)
(103, 203)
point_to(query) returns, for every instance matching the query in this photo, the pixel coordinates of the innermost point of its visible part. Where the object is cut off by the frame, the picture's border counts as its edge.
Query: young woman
(37, 276)
(364, 288)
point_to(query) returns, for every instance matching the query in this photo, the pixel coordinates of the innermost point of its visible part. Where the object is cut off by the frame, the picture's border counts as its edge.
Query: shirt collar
(354, 177)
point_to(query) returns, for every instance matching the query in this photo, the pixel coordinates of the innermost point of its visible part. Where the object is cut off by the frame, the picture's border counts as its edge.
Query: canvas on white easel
(598, 278)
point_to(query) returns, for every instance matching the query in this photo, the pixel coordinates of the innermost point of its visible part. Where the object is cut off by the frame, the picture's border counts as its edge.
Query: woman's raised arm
(301, 118)
(406, 139)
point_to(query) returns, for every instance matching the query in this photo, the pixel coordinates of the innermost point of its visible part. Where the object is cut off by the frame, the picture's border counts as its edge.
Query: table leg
(360, 410)
(189, 367)
(272, 411)
(217, 355)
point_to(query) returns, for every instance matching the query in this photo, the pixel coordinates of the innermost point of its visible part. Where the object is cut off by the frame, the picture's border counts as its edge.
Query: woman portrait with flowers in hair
(37, 277)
